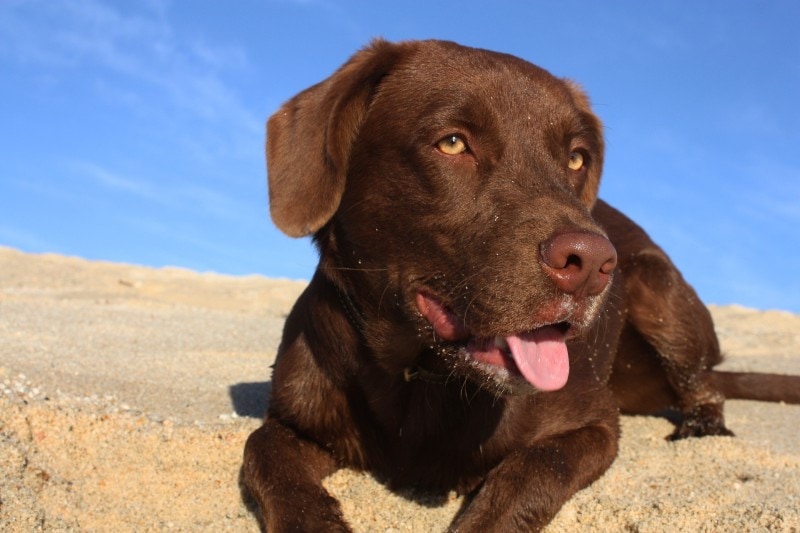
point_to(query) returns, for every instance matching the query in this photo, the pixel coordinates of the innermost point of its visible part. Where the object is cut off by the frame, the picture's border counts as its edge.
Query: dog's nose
(579, 263)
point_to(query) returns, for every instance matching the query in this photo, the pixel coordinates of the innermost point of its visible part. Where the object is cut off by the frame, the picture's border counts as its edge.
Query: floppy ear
(593, 130)
(309, 140)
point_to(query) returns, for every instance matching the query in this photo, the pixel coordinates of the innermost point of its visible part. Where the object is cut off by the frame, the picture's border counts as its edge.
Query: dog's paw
(692, 429)
(702, 421)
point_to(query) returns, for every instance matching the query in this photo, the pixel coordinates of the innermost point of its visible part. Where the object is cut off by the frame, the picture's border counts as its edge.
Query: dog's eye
(452, 145)
(575, 161)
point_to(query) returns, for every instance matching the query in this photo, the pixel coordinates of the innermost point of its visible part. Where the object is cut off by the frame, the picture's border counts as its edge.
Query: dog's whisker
(354, 269)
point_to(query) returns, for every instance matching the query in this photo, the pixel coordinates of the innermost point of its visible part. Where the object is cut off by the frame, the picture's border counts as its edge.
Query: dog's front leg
(526, 490)
(284, 473)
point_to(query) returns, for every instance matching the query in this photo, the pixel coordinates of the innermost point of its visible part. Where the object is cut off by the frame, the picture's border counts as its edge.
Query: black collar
(416, 373)
(420, 374)
(353, 312)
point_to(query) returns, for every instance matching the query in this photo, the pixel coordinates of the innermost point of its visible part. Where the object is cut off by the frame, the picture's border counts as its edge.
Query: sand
(126, 395)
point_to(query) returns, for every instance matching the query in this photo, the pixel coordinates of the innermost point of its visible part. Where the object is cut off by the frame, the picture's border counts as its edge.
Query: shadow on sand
(250, 399)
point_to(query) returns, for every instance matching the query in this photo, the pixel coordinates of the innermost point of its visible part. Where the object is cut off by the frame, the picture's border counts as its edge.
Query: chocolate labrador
(478, 318)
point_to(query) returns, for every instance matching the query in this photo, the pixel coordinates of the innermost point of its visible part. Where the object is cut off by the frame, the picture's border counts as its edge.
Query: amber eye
(575, 161)
(452, 145)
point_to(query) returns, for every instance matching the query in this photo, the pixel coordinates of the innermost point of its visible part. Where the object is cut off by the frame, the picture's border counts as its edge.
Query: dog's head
(449, 190)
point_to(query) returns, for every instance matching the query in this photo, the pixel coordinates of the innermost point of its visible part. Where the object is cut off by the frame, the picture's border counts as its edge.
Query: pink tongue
(541, 357)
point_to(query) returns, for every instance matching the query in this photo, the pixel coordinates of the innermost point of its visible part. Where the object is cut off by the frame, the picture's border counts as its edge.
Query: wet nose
(579, 263)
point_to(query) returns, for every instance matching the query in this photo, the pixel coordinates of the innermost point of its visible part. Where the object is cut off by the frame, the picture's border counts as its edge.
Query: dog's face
(438, 180)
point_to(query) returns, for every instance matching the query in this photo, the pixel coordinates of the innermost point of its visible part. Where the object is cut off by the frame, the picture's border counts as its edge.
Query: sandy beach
(126, 395)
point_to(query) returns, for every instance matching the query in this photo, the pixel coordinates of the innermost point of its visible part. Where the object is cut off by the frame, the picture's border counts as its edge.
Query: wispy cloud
(203, 201)
(182, 234)
(753, 119)
(67, 33)
(23, 239)
(139, 45)
(111, 180)
(770, 191)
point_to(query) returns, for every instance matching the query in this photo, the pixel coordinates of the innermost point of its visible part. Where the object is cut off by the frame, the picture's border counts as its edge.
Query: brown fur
(505, 237)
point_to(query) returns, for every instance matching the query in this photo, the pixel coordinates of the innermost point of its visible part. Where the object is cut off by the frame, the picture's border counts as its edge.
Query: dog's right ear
(310, 137)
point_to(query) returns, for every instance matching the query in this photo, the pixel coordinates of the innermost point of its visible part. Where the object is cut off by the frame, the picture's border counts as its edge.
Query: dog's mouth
(539, 356)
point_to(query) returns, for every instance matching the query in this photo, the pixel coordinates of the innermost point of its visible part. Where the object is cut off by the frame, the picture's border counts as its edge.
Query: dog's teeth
(500, 342)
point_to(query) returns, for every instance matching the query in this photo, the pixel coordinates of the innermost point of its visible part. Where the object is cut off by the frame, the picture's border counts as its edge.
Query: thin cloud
(111, 180)
(23, 239)
(201, 201)
(196, 250)
(771, 190)
(142, 47)
(753, 119)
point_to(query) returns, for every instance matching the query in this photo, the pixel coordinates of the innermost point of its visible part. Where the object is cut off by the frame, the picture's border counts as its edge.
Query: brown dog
(470, 325)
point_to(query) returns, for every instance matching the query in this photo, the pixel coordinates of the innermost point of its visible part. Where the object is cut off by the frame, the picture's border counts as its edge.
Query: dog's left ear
(309, 140)
(593, 130)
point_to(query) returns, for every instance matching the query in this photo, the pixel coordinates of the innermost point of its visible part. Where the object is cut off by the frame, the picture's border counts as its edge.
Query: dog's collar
(350, 309)
(416, 373)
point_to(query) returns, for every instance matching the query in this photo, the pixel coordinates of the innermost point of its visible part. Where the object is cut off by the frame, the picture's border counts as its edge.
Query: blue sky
(133, 131)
